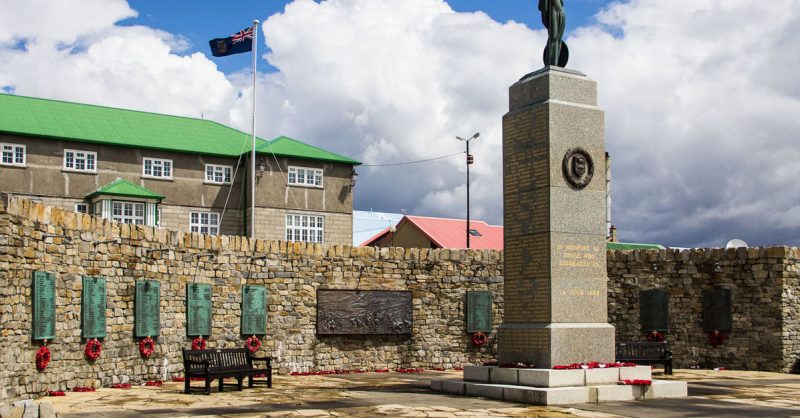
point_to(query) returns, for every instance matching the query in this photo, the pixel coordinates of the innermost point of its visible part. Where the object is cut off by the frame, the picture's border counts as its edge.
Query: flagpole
(253, 155)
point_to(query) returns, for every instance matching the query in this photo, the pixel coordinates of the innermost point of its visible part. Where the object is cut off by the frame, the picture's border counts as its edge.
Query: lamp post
(469, 162)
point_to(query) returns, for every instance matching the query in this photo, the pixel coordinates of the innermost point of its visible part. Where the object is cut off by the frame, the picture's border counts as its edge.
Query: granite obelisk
(555, 237)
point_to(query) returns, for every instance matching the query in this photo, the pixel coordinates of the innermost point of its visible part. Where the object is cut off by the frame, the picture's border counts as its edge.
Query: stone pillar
(555, 231)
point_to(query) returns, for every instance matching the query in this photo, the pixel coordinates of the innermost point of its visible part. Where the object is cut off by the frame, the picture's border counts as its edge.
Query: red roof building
(427, 232)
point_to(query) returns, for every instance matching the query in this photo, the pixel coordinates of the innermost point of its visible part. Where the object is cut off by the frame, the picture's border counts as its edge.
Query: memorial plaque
(44, 305)
(93, 307)
(254, 310)
(148, 308)
(358, 312)
(717, 310)
(654, 310)
(198, 309)
(479, 312)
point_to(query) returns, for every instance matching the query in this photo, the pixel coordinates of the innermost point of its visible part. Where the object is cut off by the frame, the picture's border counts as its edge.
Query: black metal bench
(647, 353)
(236, 363)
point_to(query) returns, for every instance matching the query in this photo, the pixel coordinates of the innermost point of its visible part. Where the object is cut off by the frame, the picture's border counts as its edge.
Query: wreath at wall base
(93, 349)
(655, 337)
(42, 357)
(199, 343)
(252, 344)
(716, 338)
(147, 346)
(479, 339)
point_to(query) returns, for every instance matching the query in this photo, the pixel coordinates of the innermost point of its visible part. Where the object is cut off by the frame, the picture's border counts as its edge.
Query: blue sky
(200, 21)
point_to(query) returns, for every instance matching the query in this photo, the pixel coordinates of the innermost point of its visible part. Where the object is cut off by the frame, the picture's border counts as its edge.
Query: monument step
(551, 378)
(561, 395)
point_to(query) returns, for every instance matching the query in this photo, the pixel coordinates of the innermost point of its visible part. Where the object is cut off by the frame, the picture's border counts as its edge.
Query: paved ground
(712, 393)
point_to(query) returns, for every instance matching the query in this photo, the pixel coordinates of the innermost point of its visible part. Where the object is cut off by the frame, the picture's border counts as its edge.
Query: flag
(234, 44)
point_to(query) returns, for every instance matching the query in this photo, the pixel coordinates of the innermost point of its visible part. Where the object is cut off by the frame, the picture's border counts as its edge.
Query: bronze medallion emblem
(578, 168)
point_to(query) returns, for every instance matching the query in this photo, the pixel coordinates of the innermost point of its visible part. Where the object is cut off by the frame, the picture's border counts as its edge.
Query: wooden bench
(236, 363)
(647, 353)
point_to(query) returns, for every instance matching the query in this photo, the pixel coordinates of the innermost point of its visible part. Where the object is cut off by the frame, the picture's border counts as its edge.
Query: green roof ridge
(91, 123)
(122, 187)
(301, 149)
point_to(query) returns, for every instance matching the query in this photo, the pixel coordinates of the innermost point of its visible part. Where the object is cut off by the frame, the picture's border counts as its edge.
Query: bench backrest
(200, 356)
(233, 358)
(642, 350)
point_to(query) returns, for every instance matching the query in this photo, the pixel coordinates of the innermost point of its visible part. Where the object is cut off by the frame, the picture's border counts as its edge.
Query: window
(157, 168)
(81, 208)
(128, 212)
(12, 154)
(305, 176)
(204, 222)
(80, 160)
(218, 174)
(304, 228)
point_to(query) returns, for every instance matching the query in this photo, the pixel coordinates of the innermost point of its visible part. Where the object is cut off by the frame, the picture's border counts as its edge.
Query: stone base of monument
(559, 387)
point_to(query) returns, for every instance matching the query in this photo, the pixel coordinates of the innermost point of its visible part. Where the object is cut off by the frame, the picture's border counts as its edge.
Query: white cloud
(74, 51)
(701, 98)
(389, 81)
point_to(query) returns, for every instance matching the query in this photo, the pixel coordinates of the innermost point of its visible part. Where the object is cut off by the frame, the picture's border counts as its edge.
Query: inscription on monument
(93, 307)
(717, 310)
(356, 312)
(198, 309)
(254, 310)
(578, 255)
(654, 308)
(44, 305)
(479, 312)
(147, 308)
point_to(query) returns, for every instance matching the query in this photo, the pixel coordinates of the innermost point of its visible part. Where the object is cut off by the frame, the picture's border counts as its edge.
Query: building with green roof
(178, 172)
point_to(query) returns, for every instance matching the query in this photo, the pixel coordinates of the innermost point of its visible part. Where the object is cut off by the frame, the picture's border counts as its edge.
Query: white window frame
(85, 158)
(163, 165)
(85, 208)
(223, 170)
(305, 176)
(197, 223)
(14, 149)
(305, 228)
(128, 218)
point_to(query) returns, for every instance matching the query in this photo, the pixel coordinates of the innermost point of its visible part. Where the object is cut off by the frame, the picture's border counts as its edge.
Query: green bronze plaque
(93, 307)
(44, 305)
(479, 312)
(198, 309)
(717, 310)
(254, 310)
(654, 310)
(147, 308)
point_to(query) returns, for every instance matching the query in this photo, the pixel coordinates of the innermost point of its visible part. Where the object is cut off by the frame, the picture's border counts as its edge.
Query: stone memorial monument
(555, 288)
(555, 207)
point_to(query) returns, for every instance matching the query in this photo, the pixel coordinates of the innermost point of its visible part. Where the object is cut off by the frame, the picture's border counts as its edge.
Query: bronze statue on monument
(554, 18)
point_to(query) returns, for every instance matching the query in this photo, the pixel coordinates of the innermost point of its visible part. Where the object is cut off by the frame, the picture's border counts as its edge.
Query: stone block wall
(764, 303)
(34, 237)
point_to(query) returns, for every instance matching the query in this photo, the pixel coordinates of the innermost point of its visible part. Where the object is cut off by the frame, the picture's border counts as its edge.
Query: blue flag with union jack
(237, 43)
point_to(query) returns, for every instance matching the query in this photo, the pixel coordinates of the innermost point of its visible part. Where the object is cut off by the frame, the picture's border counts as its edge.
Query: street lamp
(469, 162)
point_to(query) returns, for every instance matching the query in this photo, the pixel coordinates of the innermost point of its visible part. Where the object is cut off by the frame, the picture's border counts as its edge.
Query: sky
(701, 97)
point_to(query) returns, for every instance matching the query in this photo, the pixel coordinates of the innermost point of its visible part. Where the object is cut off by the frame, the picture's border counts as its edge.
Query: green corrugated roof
(632, 246)
(120, 187)
(130, 128)
(287, 147)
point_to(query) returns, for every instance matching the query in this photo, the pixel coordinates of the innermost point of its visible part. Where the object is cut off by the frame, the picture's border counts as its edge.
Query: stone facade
(765, 285)
(764, 300)
(34, 237)
(271, 224)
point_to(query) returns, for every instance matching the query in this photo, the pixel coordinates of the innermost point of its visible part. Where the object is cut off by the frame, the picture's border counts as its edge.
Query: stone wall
(764, 300)
(34, 237)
